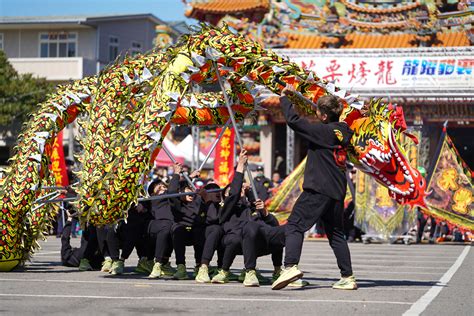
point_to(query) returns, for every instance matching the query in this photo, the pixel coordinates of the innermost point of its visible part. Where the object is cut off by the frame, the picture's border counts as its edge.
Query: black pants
(310, 207)
(71, 256)
(421, 223)
(260, 239)
(232, 244)
(212, 239)
(187, 236)
(159, 231)
(126, 236)
(102, 240)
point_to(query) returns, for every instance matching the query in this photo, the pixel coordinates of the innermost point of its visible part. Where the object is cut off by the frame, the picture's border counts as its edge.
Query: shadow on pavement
(367, 283)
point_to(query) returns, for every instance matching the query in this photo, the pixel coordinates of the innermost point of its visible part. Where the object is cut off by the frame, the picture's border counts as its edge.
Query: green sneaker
(263, 280)
(106, 265)
(348, 283)
(299, 283)
(251, 279)
(203, 275)
(241, 277)
(156, 272)
(117, 267)
(196, 271)
(84, 265)
(213, 271)
(143, 266)
(287, 276)
(181, 273)
(150, 264)
(275, 275)
(167, 270)
(221, 277)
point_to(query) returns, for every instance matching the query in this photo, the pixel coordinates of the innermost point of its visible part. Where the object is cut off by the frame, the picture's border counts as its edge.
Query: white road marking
(187, 298)
(47, 253)
(419, 306)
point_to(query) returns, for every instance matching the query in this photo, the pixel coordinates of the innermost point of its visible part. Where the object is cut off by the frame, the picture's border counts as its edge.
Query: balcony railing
(56, 69)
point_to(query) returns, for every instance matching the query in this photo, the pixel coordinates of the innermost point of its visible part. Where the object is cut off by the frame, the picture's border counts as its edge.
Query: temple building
(414, 53)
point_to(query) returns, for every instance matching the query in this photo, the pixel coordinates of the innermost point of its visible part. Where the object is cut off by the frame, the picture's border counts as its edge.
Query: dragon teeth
(394, 189)
(409, 178)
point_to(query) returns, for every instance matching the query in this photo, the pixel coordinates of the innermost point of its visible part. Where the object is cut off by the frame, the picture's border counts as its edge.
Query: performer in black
(324, 187)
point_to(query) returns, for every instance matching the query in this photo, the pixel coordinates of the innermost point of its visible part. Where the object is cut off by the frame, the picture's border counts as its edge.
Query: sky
(166, 10)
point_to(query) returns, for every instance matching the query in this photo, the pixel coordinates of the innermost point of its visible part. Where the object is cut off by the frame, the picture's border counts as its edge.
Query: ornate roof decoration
(213, 10)
(328, 23)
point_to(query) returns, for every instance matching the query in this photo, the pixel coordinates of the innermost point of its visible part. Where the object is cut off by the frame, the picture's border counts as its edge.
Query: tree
(19, 95)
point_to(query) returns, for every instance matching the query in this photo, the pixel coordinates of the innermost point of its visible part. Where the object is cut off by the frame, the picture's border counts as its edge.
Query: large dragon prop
(126, 110)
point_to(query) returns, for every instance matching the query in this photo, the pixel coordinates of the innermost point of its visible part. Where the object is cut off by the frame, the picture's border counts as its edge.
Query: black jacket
(237, 211)
(162, 209)
(212, 211)
(187, 214)
(326, 164)
(262, 185)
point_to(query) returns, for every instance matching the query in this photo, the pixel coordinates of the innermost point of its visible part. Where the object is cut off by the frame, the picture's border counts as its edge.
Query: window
(136, 48)
(58, 44)
(113, 47)
(1, 41)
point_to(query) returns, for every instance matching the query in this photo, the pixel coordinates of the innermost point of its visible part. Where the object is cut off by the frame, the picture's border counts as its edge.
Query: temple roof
(227, 7)
(340, 24)
(394, 9)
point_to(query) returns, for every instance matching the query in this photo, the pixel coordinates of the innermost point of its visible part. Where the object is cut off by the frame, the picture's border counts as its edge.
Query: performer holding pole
(324, 187)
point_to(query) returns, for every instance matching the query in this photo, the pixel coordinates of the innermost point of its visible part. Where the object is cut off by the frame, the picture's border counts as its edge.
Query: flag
(224, 160)
(286, 194)
(450, 184)
(58, 164)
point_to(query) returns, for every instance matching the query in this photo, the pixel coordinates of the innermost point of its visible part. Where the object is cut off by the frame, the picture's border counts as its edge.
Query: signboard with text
(379, 73)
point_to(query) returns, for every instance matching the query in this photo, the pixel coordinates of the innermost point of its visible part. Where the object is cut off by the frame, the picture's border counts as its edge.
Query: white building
(72, 47)
(62, 48)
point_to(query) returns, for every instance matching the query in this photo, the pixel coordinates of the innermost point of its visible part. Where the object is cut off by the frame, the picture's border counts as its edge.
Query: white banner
(382, 73)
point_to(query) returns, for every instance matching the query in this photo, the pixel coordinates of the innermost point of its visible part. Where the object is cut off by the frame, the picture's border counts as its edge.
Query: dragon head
(376, 151)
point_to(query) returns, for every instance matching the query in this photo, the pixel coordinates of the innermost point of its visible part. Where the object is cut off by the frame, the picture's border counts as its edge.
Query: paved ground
(393, 280)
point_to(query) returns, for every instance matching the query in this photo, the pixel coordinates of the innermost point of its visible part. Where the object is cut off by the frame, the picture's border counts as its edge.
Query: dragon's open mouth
(391, 168)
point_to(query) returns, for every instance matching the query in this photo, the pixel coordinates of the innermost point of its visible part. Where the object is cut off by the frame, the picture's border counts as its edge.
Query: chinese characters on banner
(58, 165)
(224, 161)
(451, 197)
(437, 72)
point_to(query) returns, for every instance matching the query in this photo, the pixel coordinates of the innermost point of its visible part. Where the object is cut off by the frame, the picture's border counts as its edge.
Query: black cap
(259, 168)
(212, 186)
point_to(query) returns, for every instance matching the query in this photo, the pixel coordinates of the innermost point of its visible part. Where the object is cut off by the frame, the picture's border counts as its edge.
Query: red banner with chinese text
(58, 164)
(451, 188)
(224, 161)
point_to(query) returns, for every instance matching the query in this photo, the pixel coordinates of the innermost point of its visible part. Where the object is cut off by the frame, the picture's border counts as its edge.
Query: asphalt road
(393, 280)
